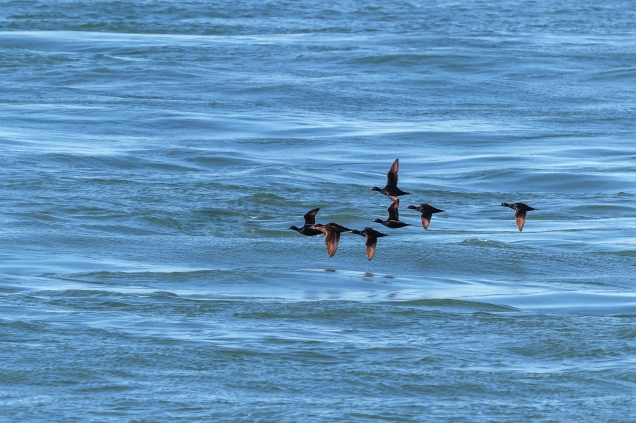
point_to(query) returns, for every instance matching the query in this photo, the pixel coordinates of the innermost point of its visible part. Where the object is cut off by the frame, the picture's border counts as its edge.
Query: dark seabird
(394, 216)
(427, 213)
(372, 239)
(520, 214)
(332, 235)
(391, 189)
(308, 228)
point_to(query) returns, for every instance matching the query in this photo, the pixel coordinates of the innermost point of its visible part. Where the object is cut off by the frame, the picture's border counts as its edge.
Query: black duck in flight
(394, 216)
(521, 209)
(391, 189)
(308, 228)
(332, 233)
(372, 239)
(427, 213)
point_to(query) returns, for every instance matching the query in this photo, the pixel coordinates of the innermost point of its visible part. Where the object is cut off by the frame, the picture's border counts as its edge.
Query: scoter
(332, 233)
(391, 190)
(427, 213)
(372, 239)
(394, 216)
(308, 228)
(520, 215)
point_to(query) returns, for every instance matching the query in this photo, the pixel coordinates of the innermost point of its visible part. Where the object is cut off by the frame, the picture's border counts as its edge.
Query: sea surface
(154, 153)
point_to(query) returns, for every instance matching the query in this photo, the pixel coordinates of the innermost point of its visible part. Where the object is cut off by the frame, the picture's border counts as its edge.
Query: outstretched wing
(338, 226)
(394, 214)
(332, 238)
(392, 176)
(520, 216)
(426, 219)
(371, 243)
(310, 217)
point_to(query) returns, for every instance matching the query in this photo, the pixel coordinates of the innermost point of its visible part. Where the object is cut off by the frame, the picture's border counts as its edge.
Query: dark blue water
(153, 155)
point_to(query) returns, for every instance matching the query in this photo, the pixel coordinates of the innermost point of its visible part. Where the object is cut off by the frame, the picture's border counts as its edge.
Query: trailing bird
(394, 216)
(427, 213)
(372, 239)
(391, 189)
(520, 215)
(308, 228)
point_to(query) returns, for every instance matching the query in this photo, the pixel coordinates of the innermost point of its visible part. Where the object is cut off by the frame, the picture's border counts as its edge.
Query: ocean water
(154, 153)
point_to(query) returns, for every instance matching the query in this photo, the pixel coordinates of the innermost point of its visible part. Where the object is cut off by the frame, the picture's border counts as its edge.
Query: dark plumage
(308, 228)
(394, 216)
(332, 235)
(520, 215)
(427, 213)
(391, 189)
(372, 239)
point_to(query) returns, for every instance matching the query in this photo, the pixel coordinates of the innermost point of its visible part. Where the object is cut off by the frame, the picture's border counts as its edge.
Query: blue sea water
(154, 153)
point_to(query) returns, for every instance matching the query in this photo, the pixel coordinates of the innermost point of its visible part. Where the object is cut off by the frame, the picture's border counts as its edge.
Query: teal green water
(154, 154)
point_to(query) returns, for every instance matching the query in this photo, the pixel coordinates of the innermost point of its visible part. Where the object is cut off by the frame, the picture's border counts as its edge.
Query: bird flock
(332, 230)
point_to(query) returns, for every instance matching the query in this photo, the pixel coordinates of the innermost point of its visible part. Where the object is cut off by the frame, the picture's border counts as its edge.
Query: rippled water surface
(154, 153)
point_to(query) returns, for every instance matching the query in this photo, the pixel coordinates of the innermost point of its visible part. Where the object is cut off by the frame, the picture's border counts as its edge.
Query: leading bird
(308, 228)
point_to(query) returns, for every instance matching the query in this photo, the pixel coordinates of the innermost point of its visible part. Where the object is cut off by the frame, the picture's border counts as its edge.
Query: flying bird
(372, 239)
(332, 233)
(394, 216)
(427, 213)
(308, 228)
(391, 189)
(520, 215)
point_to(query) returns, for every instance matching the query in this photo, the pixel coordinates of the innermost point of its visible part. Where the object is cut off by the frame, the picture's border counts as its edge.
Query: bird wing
(426, 219)
(310, 217)
(394, 214)
(339, 227)
(520, 216)
(332, 238)
(392, 176)
(371, 243)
